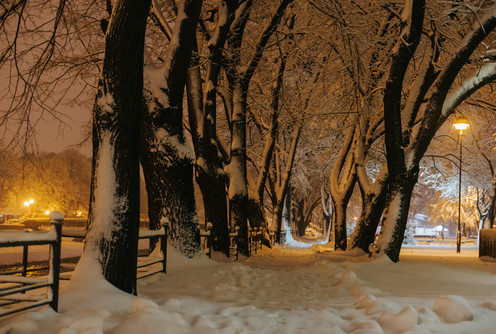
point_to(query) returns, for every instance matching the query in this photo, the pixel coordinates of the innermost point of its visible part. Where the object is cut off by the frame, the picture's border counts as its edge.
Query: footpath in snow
(284, 290)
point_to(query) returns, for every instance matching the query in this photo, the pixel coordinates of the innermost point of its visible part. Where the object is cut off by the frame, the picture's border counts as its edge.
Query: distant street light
(28, 203)
(461, 123)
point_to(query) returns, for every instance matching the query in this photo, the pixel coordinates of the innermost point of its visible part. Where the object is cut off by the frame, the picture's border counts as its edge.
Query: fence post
(56, 220)
(209, 239)
(24, 260)
(233, 243)
(255, 239)
(163, 243)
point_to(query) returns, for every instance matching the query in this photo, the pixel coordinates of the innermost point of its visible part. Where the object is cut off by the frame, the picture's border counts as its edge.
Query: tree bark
(167, 160)
(239, 85)
(210, 175)
(238, 184)
(113, 222)
(343, 178)
(394, 224)
(373, 205)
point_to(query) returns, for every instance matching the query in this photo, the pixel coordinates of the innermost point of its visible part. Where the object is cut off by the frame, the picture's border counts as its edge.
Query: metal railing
(162, 258)
(161, 234)
(13, 296)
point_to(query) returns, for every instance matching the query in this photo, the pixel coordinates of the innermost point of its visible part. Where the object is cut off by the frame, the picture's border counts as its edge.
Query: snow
(236, 185)
(283, 290)
(24, 236)
(453, 309)
(106, 103)
(155, 86)
(386, 234)
(488, 70)
(164, 139)
(106, 201)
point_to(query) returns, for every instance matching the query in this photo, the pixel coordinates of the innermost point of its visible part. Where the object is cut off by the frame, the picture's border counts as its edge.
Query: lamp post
(461, 123)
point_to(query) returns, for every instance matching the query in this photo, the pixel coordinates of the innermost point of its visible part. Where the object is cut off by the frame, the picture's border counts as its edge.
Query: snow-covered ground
(285, 290)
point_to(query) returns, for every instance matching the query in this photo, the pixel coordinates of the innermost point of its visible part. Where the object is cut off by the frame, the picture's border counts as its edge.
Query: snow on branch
(485, 75)
(165, 142)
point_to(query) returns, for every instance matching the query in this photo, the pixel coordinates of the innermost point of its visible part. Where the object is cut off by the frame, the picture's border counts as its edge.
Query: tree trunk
(169, 184)
(166, 159)
(342, 182)
(238, 184)
(257, 218)
(394, 225)
(213, 188)
(278, 218)
(373, 204)
(202, 106)
(113, 222)
(339, 223)
(492, 205)
(299, 217)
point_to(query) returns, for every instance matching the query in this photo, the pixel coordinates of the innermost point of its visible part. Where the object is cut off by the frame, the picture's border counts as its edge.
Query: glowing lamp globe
(461, 123)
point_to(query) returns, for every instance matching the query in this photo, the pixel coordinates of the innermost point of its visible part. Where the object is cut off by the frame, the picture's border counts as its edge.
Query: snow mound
(366, 327)
(91, 321)
(371, 305)
(453, 309)
(401, 322)
(356, 252)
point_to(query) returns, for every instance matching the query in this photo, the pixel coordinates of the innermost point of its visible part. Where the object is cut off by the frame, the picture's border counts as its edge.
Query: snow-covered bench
(41, 290)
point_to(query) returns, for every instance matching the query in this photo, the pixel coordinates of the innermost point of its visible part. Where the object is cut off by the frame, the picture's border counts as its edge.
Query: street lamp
(461, 123)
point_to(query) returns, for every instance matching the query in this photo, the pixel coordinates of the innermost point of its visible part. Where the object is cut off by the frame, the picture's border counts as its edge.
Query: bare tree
(405, 147)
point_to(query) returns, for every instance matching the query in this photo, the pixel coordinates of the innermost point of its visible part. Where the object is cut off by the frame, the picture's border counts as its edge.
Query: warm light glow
(26, 203)
(461, 124)
(79, 213)
(31, 201)
(47, 212)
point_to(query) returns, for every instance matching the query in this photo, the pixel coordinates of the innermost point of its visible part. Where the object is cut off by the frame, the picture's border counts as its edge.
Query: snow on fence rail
(13, 296)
